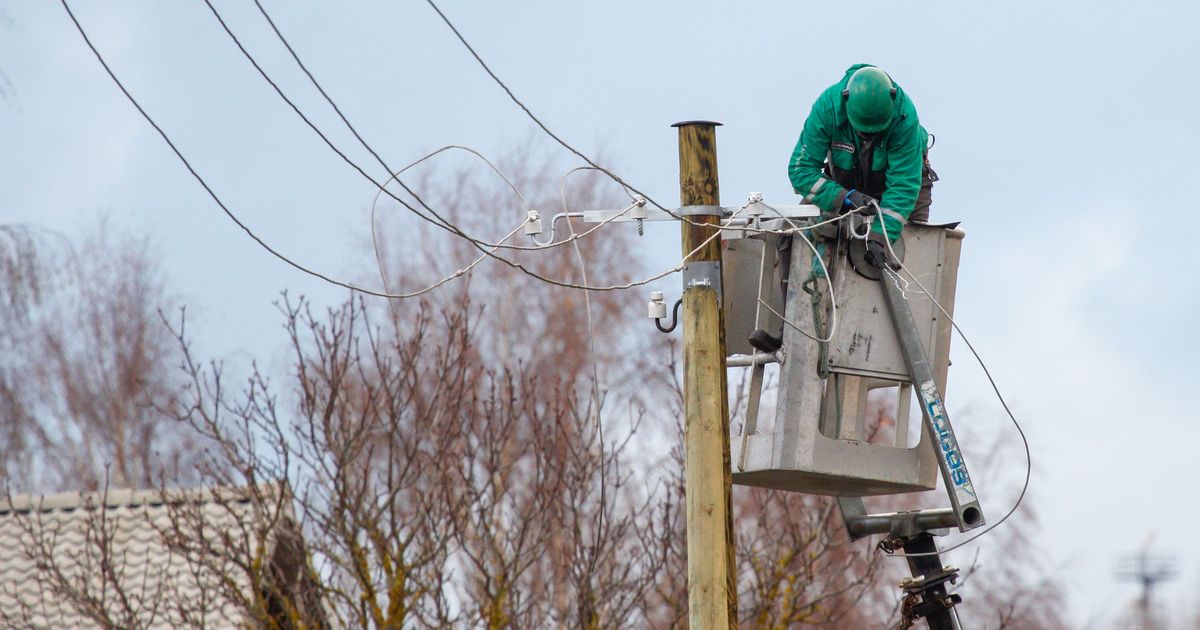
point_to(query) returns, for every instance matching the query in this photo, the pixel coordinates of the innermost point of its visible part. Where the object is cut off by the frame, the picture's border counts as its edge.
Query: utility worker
(862, 145)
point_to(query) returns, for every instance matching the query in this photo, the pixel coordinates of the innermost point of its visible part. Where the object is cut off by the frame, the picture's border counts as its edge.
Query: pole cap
(685, 123)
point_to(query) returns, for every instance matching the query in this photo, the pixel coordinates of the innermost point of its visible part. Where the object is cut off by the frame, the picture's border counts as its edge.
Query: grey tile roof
(55, 574)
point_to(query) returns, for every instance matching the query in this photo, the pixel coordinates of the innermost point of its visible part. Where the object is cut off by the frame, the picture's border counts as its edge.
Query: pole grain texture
(712, 585)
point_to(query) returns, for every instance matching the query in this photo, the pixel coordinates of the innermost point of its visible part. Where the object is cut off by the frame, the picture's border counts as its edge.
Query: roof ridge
(127, 497)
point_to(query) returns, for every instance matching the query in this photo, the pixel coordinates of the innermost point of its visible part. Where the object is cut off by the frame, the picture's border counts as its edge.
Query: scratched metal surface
(866, 343)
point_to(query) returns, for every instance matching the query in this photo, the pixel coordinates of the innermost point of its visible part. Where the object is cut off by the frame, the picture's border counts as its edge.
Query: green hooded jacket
(896, 156)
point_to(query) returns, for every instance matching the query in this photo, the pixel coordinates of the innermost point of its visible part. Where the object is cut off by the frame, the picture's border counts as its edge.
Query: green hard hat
(869, 96)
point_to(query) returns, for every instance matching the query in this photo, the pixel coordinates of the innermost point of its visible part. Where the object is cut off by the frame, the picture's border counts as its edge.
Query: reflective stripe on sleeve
(895, 215)
(817, 186)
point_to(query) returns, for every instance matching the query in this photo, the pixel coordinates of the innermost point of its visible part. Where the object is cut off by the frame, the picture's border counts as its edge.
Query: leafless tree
(479, 457)
(89, 372)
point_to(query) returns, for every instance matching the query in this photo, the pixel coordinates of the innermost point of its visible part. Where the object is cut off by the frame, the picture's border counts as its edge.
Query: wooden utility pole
(712, 584)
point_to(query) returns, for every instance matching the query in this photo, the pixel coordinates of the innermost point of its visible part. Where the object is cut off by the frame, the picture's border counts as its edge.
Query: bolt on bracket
(703, 274)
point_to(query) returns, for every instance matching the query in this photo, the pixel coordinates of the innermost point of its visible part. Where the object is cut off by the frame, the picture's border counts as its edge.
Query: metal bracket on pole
(703, 274)
(658, 214)
(702, 211)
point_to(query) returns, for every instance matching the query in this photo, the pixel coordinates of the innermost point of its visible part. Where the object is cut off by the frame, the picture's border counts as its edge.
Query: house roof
(143, 558)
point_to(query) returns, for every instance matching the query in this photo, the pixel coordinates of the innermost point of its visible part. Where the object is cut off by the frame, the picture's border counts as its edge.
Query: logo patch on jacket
(843, 146)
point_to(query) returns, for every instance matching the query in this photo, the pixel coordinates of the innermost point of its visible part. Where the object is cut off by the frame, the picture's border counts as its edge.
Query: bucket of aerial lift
(821, 441)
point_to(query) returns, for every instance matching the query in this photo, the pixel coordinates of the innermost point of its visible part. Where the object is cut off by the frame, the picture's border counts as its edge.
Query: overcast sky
(1066, 134)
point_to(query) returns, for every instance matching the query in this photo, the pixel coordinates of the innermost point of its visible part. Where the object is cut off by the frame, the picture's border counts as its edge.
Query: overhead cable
(999, 396)
(366, 145)
(491, 248)
(225, 208)
(197, 176)
(539, 122)
(488, 249)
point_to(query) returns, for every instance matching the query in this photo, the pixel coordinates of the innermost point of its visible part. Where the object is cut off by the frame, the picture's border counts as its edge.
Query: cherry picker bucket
(820, 440)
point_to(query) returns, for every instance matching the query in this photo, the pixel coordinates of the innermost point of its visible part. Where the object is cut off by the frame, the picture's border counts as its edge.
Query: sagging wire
(493, 246)
(587, 305)
(616, 178)
(457, 274)
(488, 249)
(195, 174)
(574, 237)
(500, 245)
(538, 245)
(300, 267)
(799, 230)
(395, 177)
(353, 130)
(999, 396)
(587, 300)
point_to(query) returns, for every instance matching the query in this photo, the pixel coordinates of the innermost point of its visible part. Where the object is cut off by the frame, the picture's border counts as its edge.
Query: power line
(212, 194)
(574, 238)
(298, 266)
(445, 224)
(196, 174)
(529, 248)
(481, 245)
(999, 396)
(353, 130)
(316, 84)
(537, 120)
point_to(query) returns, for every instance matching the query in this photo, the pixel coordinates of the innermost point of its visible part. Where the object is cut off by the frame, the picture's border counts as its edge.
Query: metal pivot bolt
(638, 213)
(754, 208)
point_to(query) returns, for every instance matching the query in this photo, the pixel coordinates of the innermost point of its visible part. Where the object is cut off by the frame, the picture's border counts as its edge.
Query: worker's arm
(906, 160)
(804, 169)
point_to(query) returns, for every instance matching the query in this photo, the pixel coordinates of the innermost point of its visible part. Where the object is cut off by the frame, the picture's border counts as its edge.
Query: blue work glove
(855, 200)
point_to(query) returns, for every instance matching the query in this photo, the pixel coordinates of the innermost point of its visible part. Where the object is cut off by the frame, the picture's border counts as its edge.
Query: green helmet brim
(868, 126)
